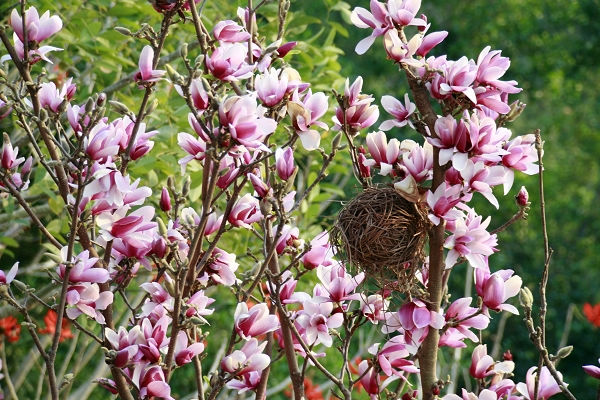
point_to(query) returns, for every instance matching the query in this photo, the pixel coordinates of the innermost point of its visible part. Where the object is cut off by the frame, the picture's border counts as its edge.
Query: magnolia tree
(251, 118)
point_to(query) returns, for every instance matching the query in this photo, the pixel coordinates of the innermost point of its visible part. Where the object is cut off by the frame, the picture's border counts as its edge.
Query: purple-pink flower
(146, 72)
(547, 385)
(245, 212)
(6, 279)
(494, 289)
(246, 124)
(228, 62)
(255, 321)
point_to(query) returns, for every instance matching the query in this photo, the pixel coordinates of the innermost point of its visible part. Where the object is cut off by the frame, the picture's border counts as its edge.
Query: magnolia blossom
(245, 212)
(255, 321)
(400, 112)
(6, 279)
(369, 379)
(146, 72)
(120, 225)
(86, 299)
(491, 66)
(392, 357)
(287, 294)
(485, 394)
(222, 270)
(230, 31)
(271, 87)
(38, 29)
(244, 121)
(197, 304)
(126, 344)
(183, 352)
(249, 358)
(496, 288)
(419, 162)
(195, 147)
(377, 19)
(521, 156)
(384, 153)
(305, 113)
(228, 62)
(82, 268)
(50, 97)
(320, 252)
(316, 320)
(592, 370)
(430, 41)
(460, 317)
(442, 201)
(337, 285)
(374, 307)
(547, 385)
(151, 382)
(470, 239)
(460, 76)
(284, 162)
(479, 177)
(9, 155)
(359, 113)
(483, 365)
(159, 296)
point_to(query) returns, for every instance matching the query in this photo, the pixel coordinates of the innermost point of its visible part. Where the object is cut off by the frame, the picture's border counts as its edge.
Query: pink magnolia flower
(5, 109)
(142, 144)
(165, 200)
(118, 225)
(197, 304)
(85, 298)
(271, 87)
(521, 156)
(228, 62)
(230, 31)
(403, 12)
(83, 268)
(195, 147)
(461, 317)
(305, 113)
(491, 66)
(284, 162)
(370, 379)
(430, 41)
(460, 76)
(392, 357)
(496, 288)
(452, 141)
(260, 187)
(287, 294)
(316, 320)
(185, 353)
(248, 381)
(147, 73)
(470, 239)
(419, 162)
(249, 358)
(255, 321)
(337, 284)
(547, 385)
(320, 252)
(38, 28)
(592, 370)
(154, 338)
(385, 154)
(377, 19)
(359, 114)
(151, 383)
(103, 141)
(374, 307)
(126, 344)
(479, 177)
(245, 212)
(288, 238)
(9, 155)
(222, 270)
(399, 50)
(442, 201)
(6, 279)
(400, 112)
(482, 365)
(50, 97)
(159, 297)
(245, 123)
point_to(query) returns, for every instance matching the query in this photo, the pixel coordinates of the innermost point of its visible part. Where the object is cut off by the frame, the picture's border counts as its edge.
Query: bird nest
(382, 234)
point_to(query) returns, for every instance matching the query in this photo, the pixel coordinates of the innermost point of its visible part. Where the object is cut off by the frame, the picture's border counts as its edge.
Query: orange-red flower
(10, 327)
(50, 321)
(311, 391)
(592, 313)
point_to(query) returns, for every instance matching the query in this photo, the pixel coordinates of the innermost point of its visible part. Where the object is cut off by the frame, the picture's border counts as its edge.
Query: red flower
(11, 328)
(592, 313)
(311, 391)
(50, 321)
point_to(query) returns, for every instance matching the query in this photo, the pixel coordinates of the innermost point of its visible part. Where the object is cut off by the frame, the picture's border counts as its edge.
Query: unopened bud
(171, 184)
(185, 188)
(526, 297)
(564, 352)
(183, 51)
(101, 99)
(89, 105)
(522, 197)
(119, 107)
(162, 228)
(123, 31)
(174, 75)
(165, 200)
(335, 143)
(170, 286)
(273, 46)
(507, 356)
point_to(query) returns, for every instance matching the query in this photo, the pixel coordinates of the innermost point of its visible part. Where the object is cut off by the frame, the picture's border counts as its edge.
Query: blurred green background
(554, 48)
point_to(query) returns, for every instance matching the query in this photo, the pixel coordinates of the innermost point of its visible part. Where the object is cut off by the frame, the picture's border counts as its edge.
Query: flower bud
(165, 200)
(564, 352)
(507, 356)
(522, 197)
(185, 188)
(526, 297)
(123, 31)
(119, 107)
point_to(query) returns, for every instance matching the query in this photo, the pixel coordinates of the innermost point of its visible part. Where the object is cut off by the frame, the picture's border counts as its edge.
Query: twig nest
(382, 234)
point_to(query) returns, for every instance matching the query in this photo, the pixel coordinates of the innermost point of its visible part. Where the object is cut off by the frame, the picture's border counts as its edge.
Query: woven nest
(382, 234)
